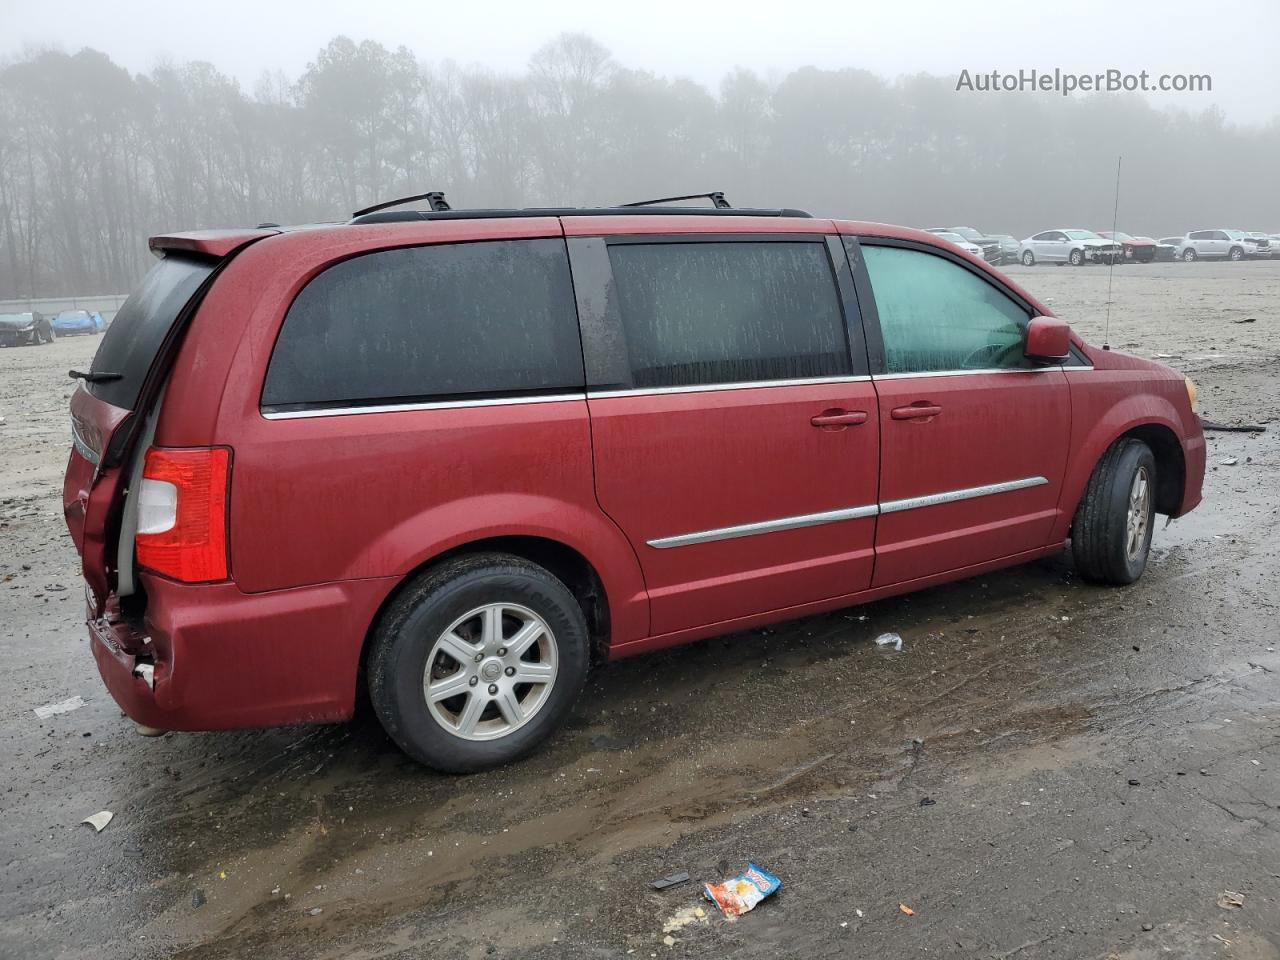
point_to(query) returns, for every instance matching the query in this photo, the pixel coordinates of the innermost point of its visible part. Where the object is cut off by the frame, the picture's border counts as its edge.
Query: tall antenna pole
(1111, 271)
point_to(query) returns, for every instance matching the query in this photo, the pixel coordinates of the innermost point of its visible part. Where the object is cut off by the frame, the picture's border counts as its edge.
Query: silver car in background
(970, 248)
(1072, 246)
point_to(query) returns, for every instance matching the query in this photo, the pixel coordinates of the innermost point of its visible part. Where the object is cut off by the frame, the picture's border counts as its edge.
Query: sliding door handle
(916, 411)
(839, 418)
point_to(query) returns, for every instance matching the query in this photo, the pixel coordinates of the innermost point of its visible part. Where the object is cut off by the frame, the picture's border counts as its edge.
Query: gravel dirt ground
(1048, 769)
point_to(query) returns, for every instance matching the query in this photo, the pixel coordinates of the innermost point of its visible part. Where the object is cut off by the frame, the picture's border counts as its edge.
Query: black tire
(1028, 258)
(409, 628)
(1188, 256)
(1101, 534)
(1076, 258)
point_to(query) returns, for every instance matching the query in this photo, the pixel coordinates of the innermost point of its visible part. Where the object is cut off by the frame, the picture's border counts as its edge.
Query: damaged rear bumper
(210, 657)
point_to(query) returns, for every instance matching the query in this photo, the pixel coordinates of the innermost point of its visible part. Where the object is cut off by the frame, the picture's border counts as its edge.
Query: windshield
(1122, 237)
(1234, 234)
(73, 314)
(1081, 235)
(15, 317)
(967, 232)
(953, 237)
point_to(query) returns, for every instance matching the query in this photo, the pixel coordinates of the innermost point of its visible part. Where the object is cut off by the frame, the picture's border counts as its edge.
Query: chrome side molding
(765, 526)
(850, 513)
(968, 493)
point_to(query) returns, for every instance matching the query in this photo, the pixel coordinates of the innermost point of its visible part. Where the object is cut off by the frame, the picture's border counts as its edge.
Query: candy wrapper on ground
(736, 896)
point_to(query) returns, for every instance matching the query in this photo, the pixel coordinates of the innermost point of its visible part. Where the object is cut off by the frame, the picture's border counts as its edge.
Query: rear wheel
(477, 662)
(1111, 534)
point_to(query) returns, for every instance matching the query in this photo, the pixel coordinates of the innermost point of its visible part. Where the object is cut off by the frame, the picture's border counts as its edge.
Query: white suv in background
(1217, 245)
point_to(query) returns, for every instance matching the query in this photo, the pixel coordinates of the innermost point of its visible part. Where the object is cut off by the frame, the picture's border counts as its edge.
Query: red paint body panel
(90, 493)
(993, 428)
(660, 642)
(670, 464)
(224, 659)
(329, 514)
(1120, 394)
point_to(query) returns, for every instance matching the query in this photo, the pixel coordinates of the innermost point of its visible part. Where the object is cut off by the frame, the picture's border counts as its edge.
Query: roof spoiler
(209, 243)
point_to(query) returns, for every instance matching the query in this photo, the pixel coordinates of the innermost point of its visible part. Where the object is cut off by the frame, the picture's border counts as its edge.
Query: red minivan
(459, 456)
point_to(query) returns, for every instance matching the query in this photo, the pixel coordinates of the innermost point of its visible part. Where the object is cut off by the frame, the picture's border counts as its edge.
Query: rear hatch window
(135, 336)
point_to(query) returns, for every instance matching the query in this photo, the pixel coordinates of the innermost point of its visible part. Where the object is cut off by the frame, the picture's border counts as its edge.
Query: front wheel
(1236, 253)
(1111, 534)
(1076, 258)
(1028, 258)
(1188, 256)
(477, 662)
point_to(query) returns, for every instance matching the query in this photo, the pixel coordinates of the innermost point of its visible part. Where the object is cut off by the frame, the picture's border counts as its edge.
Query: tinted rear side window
(729, 312)
(452, 321)
(133, 340)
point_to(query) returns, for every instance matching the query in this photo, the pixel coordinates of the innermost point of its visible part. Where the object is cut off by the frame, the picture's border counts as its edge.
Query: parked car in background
(1263, 248)
(30, 328)
(1136, 249)
(1008, 247)
(1214, 245)
(458, 457)
(970, 248)
(1072, 246)
(991, 246)
(71, 322)
(1167, 248)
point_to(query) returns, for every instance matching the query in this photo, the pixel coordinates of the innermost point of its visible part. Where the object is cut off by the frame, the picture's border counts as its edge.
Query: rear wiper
(92, 377)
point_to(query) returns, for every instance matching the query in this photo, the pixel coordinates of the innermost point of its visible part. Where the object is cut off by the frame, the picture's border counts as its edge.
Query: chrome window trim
(836, 516)
(711, 387)
(963, 373)
(765, 526)
(409, 407)
(967, 493)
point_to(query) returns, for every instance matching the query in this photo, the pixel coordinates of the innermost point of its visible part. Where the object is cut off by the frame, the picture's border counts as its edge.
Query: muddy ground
(1048, 769)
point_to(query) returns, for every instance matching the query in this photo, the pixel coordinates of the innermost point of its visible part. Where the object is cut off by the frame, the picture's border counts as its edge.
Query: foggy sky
(700, 39)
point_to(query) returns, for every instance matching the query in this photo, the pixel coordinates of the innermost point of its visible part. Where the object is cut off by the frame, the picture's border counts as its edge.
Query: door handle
(917, 411)
(839, 418)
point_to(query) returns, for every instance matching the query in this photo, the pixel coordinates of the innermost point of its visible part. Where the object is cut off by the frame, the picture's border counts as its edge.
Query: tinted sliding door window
(453, 321)
(729, 312)
(937, 316)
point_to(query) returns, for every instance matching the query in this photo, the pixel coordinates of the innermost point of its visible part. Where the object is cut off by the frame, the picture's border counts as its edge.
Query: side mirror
(1048, 340)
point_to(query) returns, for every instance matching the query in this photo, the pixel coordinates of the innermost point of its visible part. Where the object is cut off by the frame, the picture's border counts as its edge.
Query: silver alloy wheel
(491, 671)
(1139, 516)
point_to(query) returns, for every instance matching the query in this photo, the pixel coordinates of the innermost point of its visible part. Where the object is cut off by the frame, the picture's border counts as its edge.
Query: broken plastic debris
(739, 894)
(907, 910)
(683, 917)
(889, 643)
(99, 820)
(670, 880)
(1229, 461)
(1229, 899)
(62, 706)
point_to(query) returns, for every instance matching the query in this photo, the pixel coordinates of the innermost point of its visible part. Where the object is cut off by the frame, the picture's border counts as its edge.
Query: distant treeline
(93, 159)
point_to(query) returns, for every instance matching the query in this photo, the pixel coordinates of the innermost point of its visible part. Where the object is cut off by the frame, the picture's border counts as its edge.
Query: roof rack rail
(715, 196)
(435, 200)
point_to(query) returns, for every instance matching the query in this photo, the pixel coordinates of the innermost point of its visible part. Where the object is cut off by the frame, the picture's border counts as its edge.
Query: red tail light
(182, 514)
